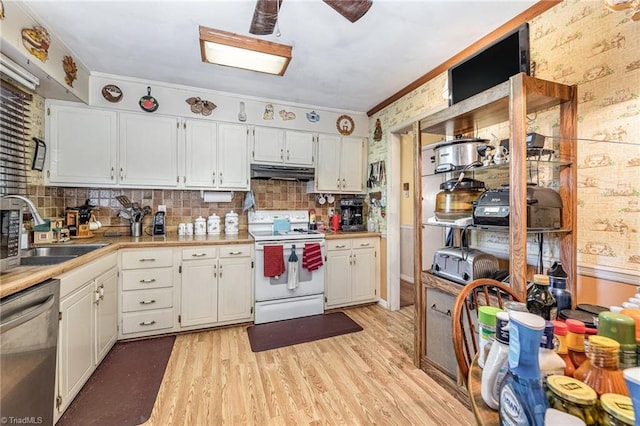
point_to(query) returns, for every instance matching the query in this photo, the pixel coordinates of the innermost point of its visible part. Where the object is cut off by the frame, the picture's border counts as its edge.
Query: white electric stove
(275, 301)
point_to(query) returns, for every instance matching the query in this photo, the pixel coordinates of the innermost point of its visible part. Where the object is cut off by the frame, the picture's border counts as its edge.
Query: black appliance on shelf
(159, 227)
(351, 218)
(544, 208)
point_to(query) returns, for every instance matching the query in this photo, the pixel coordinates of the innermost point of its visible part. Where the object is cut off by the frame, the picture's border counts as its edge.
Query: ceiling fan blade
(265, 16)
(350, 9)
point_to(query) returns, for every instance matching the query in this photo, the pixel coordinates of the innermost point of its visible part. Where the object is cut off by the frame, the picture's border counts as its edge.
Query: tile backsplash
(182, 206)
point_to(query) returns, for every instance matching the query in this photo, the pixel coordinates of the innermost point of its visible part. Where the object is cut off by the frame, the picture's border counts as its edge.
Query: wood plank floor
(407, 293)
(363, 378)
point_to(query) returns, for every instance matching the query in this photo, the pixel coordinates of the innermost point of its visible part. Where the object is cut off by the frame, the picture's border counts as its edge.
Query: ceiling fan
(265, 14)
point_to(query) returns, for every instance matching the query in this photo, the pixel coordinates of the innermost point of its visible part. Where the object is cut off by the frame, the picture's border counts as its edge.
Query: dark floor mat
(299, 330)
(123, 389)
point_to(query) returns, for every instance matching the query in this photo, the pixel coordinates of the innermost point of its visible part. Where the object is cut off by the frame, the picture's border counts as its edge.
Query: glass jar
(617, 410)
(540, 301)
(622, 329)
(600, 370)
(571, 396)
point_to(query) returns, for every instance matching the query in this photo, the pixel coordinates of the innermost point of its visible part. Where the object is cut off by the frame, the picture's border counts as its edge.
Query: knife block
(77, 229)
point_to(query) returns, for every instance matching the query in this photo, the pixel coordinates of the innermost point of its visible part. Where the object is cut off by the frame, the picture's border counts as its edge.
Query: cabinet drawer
(338, 245)
(363, 243)
(439, 330)
(236, 251)
(199, 253)
(144, 300)
(138, 279)
(139, 322)
(152, 258)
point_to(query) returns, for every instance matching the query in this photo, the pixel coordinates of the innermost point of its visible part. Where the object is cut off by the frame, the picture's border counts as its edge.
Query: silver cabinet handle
(338, 185)
(340, 246)
(220, 271)
(220, 178)
(198, 254)
(38, 308)
(147, 259)
(215, 271)
(113, 171)
(365, 244)
(213, 177)
(148, 322)
(235, 253)
(344, 183)
(354, 259)
(96, 297)
(121, 174)
(281, 154)
(147, 302)
(287, 155)
(147, 281)
(435, 308)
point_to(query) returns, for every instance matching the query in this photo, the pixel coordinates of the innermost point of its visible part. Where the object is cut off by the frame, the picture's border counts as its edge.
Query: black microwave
(10, 227)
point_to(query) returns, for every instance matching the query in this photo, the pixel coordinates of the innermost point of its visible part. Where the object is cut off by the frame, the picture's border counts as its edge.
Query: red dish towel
(273, 261)
(312, 256)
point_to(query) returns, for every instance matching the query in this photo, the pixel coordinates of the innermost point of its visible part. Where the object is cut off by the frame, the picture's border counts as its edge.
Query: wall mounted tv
(493, 65)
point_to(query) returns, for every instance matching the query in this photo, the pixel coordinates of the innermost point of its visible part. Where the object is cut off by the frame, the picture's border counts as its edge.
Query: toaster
(463, 265)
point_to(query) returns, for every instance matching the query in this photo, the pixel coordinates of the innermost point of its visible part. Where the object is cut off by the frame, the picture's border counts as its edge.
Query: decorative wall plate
(70, 70)
(112, 93)
(345, 125)
(36, 40)
(287, 115)
(148, 103)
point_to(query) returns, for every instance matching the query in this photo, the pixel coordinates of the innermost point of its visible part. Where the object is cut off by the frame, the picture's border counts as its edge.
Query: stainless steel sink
(50, 255)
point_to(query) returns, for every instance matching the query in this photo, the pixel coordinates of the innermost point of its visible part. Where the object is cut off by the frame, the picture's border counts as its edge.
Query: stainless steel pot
(456, 154)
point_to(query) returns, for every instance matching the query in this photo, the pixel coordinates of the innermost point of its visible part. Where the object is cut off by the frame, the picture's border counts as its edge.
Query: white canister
(213, 224)
(231, 223)
(182, 229)
(200, 226)
(189, 229)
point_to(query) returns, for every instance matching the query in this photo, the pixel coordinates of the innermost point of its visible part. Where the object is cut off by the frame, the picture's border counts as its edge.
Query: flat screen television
(491, 66)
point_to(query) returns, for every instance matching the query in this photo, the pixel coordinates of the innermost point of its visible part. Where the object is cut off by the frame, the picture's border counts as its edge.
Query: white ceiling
(336, 63)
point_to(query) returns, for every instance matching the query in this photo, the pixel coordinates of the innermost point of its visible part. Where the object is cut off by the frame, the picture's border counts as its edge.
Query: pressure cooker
(456, 199)
(457, 154)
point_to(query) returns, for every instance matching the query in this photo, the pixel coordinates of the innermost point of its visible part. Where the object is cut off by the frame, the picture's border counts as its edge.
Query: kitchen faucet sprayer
(37, 219)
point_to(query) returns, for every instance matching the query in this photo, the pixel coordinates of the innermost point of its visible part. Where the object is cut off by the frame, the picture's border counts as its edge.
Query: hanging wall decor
(287, 115)
(148, 103)
(377, 133)
(36, 40)
(1, 10)
(242, 115)
(268, 112)
(345, 125)
(112, 93)
(313, 117)
(201, 106)
(70, 70)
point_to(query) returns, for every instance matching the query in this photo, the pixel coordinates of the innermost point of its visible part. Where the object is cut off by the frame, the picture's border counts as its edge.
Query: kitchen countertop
(338, 235)
(22, 277)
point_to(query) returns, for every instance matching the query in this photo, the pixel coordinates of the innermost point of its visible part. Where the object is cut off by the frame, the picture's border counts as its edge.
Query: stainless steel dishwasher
(28, 346)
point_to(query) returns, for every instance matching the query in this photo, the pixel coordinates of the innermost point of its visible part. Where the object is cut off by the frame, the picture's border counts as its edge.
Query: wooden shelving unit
(510, 101)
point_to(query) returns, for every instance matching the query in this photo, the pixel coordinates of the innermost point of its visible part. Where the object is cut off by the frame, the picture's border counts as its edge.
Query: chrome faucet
(37, 219)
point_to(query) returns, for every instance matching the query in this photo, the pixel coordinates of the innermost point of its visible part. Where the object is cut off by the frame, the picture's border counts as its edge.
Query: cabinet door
(201, 154)
(148, 150)
(338, 278)
(268, 145)
(298, 148)
(364, 277)
(235, 289)
(82, 145)
(352, 165)
(233, 157)
(106, 314)
(76, 340)
(439, 332)
(199, 291)
(328, 164)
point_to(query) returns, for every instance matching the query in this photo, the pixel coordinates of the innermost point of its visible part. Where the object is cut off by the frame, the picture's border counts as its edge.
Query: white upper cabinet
(72, 133)
(148, 150)
(282, 147)
(233, 157)
(340, 166)
(201, 154)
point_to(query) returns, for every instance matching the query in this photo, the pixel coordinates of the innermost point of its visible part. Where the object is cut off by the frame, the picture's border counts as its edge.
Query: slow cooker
(456, 154)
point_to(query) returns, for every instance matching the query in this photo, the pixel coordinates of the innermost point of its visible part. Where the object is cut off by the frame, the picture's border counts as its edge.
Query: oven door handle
(36, 310)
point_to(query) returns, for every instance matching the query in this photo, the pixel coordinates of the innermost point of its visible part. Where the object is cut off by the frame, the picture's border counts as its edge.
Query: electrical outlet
(162, 208)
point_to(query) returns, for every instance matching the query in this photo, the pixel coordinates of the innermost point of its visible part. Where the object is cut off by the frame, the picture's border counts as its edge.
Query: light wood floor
(364, 378)
(407, 293)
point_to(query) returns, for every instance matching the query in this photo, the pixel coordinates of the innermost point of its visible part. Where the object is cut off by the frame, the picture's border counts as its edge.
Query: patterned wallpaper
(584, 43)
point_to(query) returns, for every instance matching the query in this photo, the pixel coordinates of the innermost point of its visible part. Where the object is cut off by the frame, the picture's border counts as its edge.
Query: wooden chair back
(480, 292)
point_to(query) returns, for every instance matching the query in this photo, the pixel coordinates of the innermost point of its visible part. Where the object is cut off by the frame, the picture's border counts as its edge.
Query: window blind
(14, 131)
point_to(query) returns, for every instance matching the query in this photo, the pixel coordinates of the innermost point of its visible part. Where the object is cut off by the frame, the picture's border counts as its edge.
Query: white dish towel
(292, 277)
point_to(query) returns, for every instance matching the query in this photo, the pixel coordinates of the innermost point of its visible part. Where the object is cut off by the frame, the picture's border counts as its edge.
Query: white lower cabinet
(87, 326)
(352, 272)
(148, 299)
(216, 285)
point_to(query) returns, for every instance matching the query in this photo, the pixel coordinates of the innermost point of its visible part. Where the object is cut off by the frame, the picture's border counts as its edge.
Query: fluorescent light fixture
(238, 51)
(16, 72)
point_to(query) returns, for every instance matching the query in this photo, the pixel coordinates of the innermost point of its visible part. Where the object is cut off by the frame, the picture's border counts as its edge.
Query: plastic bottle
(635, 315)
(575, 342)
(550, 361)
(540, 301)
(622, 329)
(558, 286)
(486, 331)
(560, 334)
(601, 370)
(495, 367)
(522, 397)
